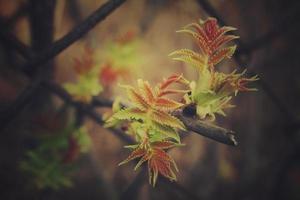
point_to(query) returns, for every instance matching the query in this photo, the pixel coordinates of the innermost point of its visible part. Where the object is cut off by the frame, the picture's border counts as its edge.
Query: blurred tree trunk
(41, 19)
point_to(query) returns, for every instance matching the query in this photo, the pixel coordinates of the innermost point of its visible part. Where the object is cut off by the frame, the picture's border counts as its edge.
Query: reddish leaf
(166, 119)
(86, 63)
(137, 99)
(146, 90)
(72, 152)
(221, 54)
(164, 144)
(160, 163)
(125, 38)
(167, 104)
(139, 152)
(171, 91)
(172, 79)
(221, 41)
(211, 27)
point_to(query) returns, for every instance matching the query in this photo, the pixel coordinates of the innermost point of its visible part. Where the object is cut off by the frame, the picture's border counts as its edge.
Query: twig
(100, 102)
(13, 110)
(205, 129)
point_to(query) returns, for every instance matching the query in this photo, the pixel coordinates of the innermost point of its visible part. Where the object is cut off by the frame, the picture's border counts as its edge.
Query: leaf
(167, 104)
(165, 144)
(221, 54)
(199, 30)
(142, 160)
(209, 37)
(166, 131)
(136, 98)
(172, 79)
(199, 40)
(83, 139)
(130, 114)
(221, 31)
(166, 119)
(161, 163)
(214, 45)
(146, 90)
(133, 146)
(86, 63)
(172, 91)
(139, 152)
(188, 56)
(116, 105)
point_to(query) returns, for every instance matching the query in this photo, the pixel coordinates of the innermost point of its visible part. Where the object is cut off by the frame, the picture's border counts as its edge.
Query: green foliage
(46, 171)
(122, 52)
(150, 111)
(149, 118)
(83, 139)
(87, 84)
(51, 163)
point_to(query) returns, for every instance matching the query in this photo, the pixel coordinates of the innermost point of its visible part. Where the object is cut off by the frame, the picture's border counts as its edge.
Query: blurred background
(51, 150)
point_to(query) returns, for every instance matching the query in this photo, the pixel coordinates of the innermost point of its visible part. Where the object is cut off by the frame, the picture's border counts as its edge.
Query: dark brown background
(265, 165)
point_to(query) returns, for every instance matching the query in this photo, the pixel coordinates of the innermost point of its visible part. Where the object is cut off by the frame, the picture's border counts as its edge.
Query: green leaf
(164, 118)
(161, 132)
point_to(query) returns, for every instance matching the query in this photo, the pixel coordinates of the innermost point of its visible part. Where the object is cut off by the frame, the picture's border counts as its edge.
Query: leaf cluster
(213, 90)
(149, 115)
(50, 165)
(151, 122)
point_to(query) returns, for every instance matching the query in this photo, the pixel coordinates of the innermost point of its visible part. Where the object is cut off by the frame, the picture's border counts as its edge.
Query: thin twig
(208, 130)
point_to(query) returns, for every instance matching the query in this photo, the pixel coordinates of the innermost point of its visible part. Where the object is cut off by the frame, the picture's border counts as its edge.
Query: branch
(84, 109)
(211, 131)
(11, 40)
(25, 97)
(99, 102)
(205, 129)
(99, 15)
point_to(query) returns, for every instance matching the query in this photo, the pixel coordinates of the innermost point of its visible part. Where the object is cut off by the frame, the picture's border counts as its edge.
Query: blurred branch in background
(58, 46)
